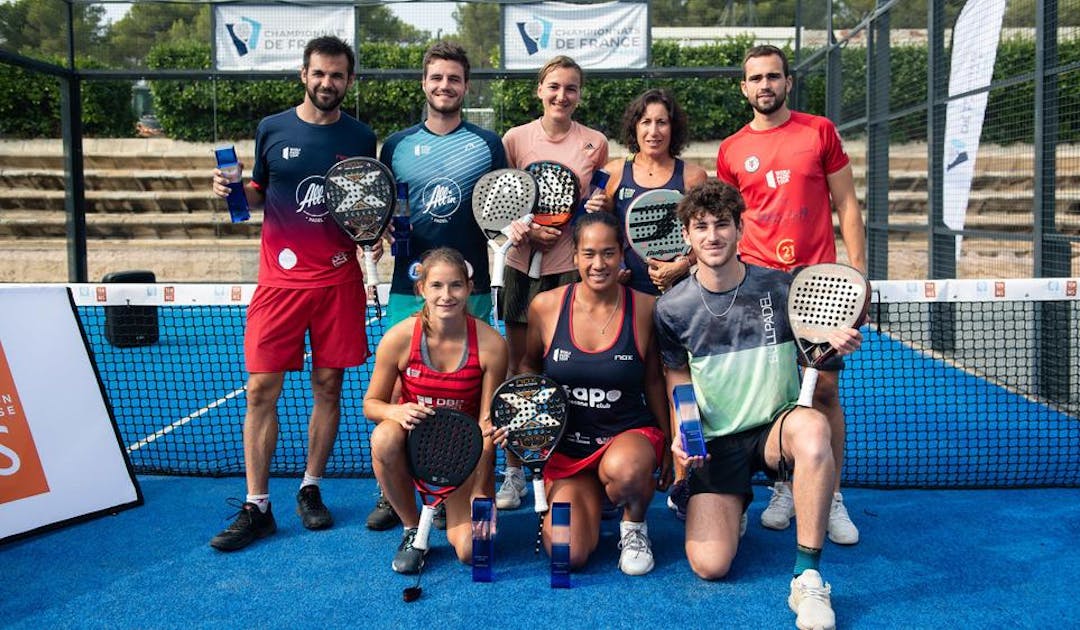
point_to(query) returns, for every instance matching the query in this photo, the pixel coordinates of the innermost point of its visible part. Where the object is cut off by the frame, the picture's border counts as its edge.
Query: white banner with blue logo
(974, 50)
(608, 35)
(272, 37)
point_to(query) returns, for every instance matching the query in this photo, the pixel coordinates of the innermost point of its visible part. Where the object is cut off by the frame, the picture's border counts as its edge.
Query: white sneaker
(781, 507)
(512, 489)
(841, 530)
(810, 602)
(636, 557)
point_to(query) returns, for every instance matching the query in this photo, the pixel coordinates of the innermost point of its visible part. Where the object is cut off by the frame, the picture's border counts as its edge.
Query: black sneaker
(408, 558)
(383, 517)
(311, 509)
(678, 498)
(439, 520)
(250, 525)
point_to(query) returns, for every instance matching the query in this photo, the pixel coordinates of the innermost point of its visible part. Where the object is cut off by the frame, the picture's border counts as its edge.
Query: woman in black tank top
(597, 336)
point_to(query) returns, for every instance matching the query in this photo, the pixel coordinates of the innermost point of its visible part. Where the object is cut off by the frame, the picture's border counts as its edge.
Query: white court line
(201, 412)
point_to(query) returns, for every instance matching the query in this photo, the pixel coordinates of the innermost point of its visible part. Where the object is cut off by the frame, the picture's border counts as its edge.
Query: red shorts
(277, 320)
(560, 466)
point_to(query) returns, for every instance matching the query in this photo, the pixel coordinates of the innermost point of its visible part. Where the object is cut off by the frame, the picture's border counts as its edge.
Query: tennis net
(960, 383)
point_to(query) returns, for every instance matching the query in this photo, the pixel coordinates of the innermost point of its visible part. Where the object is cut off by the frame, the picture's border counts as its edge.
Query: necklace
(603, 329)
(701, 292)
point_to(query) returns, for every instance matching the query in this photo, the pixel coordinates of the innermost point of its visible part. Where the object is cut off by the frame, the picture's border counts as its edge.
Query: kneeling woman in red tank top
(595, 338)
(443, 357)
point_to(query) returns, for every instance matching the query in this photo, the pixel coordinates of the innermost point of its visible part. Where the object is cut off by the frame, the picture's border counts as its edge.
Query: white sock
(310, 481)
(261, 501)
(626, 526)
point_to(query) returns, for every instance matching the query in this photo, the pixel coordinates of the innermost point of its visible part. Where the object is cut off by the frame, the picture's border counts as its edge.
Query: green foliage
(30, 105)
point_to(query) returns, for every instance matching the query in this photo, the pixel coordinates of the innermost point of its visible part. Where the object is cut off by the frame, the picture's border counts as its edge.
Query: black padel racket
(499, 198)
(443, 451)
(822, 299)
(559, 191)
(532, 407)
(652, 228)
(360, 193)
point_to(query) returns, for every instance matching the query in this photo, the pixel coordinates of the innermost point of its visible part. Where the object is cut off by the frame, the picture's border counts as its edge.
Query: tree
(477, 27)
(379, 24)
(38, 29)
(148, 23)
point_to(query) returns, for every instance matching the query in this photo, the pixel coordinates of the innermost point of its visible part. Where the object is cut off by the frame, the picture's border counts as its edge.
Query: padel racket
(532, 407)
(652, 228)
(559, 191)
(443, 451)
(822, 299)
(499, 198)
(360, 193)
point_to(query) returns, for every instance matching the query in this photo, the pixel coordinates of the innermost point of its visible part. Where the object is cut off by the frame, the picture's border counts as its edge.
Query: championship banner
(974, 50)
(61, 459)
(272, 37)
(608, 35)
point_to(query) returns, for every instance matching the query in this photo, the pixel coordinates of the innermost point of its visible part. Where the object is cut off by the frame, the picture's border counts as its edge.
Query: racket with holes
(360, 194)
(532, 407)
(559, 191)
(822, 299)
(443, 451)
(499, 198)
(652, 228)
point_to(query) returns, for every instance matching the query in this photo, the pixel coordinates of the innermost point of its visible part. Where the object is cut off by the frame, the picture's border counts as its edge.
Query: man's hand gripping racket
(825, 301)
(360, 194)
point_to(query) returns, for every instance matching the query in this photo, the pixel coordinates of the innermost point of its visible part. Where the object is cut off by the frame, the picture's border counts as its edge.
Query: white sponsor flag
(974, 50)
(273, 37)
(608, 35)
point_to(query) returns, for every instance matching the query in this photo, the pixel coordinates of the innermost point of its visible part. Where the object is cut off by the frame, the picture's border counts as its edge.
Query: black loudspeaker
(131, 326)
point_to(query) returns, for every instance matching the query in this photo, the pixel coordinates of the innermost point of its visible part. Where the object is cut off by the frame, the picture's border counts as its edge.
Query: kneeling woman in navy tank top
(444, 357)
(595, 338)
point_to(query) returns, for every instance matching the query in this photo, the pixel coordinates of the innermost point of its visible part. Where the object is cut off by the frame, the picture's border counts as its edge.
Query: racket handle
(371, 273)
(809, 384)
(539, 494)
(534, 265)
(423, 530)
(498, 263)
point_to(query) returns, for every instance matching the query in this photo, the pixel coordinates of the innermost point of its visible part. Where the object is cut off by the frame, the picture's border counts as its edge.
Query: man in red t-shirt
(789, 166)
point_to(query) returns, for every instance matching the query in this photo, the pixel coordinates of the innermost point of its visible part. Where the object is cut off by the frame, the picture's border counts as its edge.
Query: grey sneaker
(512, 490)
(840, 529)
(383, 517)
(780, 509)
(635, 557)
(439, 520)
(408, 558)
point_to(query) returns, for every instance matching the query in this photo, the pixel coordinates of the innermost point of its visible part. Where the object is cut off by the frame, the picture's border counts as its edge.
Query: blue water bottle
(401, 222)
(229, 166)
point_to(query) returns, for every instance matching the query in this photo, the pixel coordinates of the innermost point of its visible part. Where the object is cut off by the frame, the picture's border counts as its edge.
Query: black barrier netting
(982, 393)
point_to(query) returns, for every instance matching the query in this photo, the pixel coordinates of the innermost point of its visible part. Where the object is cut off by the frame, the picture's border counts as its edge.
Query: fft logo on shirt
(21, 474)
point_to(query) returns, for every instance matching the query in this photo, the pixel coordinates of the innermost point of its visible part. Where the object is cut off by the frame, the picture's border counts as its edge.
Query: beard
(327, 106)
(452, 108)
(779, 98)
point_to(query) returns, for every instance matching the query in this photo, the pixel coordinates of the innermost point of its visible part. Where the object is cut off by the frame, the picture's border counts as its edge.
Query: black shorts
(520, 289)
(735, 459)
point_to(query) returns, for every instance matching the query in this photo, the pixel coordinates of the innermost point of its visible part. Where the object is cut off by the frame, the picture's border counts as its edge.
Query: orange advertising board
(21, 474)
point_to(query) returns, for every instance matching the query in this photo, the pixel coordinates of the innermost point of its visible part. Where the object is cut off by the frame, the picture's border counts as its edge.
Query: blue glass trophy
(483, 539)
(560, 545)
(693, 440)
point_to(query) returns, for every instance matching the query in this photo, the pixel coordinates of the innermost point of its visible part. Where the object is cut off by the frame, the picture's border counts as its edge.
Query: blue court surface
(967, 550)
(927, 559)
